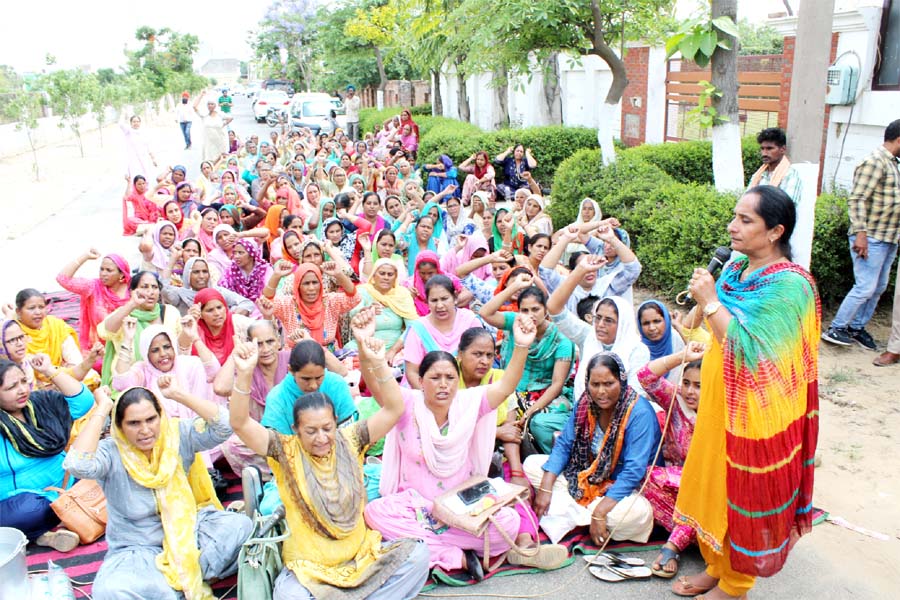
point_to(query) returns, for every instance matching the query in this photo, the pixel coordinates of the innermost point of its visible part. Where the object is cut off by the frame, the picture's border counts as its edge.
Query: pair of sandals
(613, 567)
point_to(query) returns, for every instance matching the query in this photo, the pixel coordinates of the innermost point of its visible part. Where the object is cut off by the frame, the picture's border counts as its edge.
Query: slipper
(611, 574)
(666, 555)
(61, 540)
(614, 558)
(691, 590)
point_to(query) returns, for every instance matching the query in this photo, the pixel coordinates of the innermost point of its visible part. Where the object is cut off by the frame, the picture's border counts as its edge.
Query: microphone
(720, 257)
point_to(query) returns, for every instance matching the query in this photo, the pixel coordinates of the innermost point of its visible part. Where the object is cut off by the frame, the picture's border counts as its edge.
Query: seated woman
(420, 238)
(396, 312)
(49, 335)
(513, 169)
(216, 326)
(612, 327)
(479, 176)
(156, 246)
(383, 246)
(444, 437)
(291, 226)
(309, 306)
(505, 234)
(166, 529)
(209, 220)
(533, 218)
(657, 333)
(220, 256)
(428, 265)
(99, 296)
(542, 407)
(662, 488)
(146, 308)
(138, 212)
(593, 474)
(248, 272)
(186, 223)
(34, 433)
(440, 329)
(197, 277)
(319, 465)
(441, 175)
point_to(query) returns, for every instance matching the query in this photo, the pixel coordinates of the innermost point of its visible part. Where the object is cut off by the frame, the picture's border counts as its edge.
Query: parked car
(269, 99)
(312, 110)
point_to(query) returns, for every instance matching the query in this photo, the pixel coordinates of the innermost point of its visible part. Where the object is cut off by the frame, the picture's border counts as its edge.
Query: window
(887, 68)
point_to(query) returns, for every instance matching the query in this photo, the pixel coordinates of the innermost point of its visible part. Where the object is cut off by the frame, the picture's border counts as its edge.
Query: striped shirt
(874, 204)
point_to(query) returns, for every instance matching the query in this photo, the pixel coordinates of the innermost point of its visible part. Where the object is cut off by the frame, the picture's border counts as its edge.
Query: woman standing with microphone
(747, 483)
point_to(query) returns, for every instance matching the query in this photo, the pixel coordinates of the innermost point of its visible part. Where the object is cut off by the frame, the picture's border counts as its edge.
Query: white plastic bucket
(13, 570)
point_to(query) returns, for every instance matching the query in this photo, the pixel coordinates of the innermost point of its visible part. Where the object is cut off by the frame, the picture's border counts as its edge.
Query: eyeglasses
(19, 339)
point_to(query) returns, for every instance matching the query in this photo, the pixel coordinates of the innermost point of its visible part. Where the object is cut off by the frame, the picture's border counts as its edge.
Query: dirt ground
(860, 422)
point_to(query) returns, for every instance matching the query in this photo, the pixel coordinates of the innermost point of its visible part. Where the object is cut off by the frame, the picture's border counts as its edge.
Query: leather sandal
(886, 359)
(473, 565)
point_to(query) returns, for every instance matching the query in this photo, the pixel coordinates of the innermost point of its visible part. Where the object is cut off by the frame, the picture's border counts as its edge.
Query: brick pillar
(634, 99)
(787, 69)
(834, 45)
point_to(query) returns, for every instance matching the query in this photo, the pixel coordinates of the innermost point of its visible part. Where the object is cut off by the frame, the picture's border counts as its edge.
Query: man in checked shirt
(874, 208)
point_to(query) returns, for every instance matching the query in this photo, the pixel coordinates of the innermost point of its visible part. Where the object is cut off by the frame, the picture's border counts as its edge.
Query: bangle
(235, 388)
(56, 372)
(124, 348)
(186, 350)
(526, 346)
(545, 490)
(385, 379)
(516, 473)
(601, 519)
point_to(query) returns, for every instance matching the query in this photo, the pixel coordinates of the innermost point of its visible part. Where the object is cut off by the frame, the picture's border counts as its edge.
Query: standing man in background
(225, 102)
(184, 114)
(352, 105)
(776, 169)
(874, 208)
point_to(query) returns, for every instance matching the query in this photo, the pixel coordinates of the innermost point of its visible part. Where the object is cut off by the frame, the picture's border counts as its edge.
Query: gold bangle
(545, 490)
(235, 388)
(601, 519)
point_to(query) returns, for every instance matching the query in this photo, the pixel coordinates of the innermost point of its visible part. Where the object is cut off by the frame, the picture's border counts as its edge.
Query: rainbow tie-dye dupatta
(771, 411)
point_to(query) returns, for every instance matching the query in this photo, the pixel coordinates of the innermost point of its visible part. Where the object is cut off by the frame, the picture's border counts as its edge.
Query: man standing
(776, 169)
(184, 114)
(874, 208)
(225, 102)
(352, 104)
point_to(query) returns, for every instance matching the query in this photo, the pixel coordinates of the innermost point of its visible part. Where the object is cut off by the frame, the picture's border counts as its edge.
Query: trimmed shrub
(831, 263)
(676, 228)
(615, 187)
(691, 162)
(421, 109)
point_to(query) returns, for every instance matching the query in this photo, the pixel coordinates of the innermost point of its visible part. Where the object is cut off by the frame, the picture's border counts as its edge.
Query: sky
(93, 33)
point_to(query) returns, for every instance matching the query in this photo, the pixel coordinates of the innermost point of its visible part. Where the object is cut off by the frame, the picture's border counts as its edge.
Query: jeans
(353, 130)
(186, 132)
(871, 279)
(29, 513)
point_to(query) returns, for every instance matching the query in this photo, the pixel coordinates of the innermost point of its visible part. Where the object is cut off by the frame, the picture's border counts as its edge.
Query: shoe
(886, 359)
(863, 338)
(61, 540)
(251, 482)
(473, 565)
(548, 557)
(837, 335)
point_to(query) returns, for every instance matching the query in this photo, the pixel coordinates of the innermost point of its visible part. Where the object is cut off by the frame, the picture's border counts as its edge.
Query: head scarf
(4, 351)
(160, 258)
(410, 122)
(101, 301)
(417, 286)
(273, 221)
(397, 299)
(46, 427)
(663, 346)
(512, 305)
(356, 176)
(284, 252)
(235, 213)
(178, 496)
(313, 314)
(144, 211)
(144, 319)
(439, 225)
(186, 293)
(482, 171)
(249, 286)
(180, 224)
(348, 240)
(206, 239)
(220, 344)
(598, 215)
(588, 476)
(320, 226)
(513, 235)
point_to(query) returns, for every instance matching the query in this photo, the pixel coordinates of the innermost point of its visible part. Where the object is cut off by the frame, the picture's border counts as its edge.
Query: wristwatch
(711, 308)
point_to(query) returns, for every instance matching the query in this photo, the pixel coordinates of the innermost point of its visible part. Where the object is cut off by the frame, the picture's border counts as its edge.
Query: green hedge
(691, 162)
(675, 228)
(615, 187)
(831, 263)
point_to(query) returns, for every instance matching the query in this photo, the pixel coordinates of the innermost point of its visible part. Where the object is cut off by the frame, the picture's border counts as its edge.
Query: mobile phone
(474, 493)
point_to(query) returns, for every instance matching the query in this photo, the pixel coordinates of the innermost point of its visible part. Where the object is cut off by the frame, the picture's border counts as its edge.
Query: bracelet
(384, 379)
(185, 350)
(125, 349)
(56, 372)
(522, 346)
(601, 519)
(516, 473)
(235, 388)
(545, 490)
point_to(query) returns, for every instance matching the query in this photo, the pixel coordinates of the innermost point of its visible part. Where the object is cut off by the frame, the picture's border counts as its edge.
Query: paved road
(93, 218)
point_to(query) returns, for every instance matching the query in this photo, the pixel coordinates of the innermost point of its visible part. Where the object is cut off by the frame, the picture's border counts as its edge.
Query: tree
(24, 109)
(164, 54)
(521, 33)
(70, 93)
(288, 28)
(375, 24)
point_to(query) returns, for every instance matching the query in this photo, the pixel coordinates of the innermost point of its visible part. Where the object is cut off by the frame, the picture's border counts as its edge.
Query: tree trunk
(501, 98)
(37, 172)
(382, 75)
(728, 169)
(462, 94)
(437, 102)
(551, 86)
(616, 89)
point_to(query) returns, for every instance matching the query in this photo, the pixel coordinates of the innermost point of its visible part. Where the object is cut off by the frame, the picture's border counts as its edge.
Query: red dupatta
(220, 344)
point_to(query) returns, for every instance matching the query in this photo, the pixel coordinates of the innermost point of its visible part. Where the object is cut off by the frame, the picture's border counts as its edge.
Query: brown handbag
(480, 515)
(81, 508)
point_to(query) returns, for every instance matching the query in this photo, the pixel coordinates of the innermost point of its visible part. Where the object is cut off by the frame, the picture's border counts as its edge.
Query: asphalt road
(93, 218)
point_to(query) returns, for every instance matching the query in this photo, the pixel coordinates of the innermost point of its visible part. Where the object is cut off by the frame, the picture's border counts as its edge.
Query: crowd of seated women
(352, 337)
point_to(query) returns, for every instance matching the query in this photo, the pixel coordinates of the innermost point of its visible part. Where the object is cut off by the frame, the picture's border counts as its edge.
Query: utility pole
(806, 114)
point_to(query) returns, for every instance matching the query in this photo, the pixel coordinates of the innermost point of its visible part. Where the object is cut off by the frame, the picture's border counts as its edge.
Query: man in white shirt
(352, 104)
(184, 114)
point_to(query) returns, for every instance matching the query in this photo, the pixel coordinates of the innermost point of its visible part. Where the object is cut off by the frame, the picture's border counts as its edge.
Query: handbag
(259, 562)
(481, 514)
(81, 508)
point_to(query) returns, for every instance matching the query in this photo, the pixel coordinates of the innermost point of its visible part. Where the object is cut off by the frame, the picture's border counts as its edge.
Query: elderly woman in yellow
(167, 532)
(331, 552)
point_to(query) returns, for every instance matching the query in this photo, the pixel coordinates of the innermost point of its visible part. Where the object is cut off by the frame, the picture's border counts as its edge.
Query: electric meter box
(841, 84)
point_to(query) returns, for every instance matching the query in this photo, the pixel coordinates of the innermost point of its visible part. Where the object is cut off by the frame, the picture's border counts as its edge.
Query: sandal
(666, 555)
(613, 574)
(689, 589)
(473, 565)
(617, 559)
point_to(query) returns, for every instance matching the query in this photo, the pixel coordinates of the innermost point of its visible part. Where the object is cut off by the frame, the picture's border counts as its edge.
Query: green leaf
(708, 42)
(701, 59)
(672, 44)
(723, 44)
(689, 46)
(726, 26)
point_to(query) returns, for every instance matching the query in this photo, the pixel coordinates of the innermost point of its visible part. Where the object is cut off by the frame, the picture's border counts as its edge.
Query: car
(269, 99)
(312, 110)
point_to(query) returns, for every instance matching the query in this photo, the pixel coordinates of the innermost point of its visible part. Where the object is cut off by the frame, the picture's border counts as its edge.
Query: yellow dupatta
(398, 299)
(178, 496)
(49, 340)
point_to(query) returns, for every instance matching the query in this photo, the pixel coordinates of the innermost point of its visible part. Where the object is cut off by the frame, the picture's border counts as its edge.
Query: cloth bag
(482, 514)
(81, 508)
(259, 562)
